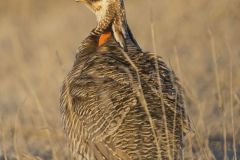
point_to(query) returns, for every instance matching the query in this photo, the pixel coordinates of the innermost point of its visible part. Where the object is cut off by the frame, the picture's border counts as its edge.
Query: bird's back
(120, 105)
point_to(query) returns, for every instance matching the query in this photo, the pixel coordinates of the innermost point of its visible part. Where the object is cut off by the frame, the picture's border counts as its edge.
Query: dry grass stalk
(231, 101)
(159, 84)
(33, 94)
(219, 93)
(144, 103)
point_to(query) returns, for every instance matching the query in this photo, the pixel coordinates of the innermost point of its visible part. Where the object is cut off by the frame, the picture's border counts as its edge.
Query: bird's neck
(92, 42)
(131, 38)
(104, 38)
(121, 33)
(113, 23)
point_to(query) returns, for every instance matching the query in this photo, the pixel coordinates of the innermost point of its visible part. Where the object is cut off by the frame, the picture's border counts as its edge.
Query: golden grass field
(199, 39)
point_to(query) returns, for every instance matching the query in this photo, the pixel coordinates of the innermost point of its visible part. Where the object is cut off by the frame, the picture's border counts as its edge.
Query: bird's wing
(105, 151)
(98, 96)
(172, 93)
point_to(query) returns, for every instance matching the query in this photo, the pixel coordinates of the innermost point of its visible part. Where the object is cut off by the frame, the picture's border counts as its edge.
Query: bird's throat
(104, 37)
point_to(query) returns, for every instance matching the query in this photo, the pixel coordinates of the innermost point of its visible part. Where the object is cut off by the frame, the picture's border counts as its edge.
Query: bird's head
(103, 8)
(110, 17)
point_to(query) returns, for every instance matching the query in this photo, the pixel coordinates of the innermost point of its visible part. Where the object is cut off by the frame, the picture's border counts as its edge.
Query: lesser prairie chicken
(118, 102)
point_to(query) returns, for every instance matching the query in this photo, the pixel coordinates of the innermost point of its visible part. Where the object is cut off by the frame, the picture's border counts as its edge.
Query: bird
(118, 102)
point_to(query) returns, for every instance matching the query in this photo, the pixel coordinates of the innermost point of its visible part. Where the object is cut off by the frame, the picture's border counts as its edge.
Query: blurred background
(199, 39)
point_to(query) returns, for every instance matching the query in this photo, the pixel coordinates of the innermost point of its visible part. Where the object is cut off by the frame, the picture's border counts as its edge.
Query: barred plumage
(122, 105)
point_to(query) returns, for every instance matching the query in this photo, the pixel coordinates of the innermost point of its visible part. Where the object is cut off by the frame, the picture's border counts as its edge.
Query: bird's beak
(79, 0)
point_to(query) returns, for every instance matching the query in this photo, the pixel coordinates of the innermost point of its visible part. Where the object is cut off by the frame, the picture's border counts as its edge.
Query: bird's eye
(95, 1)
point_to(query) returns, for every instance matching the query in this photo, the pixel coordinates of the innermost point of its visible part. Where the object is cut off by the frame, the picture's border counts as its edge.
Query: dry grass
(199, 38)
